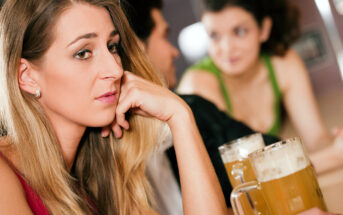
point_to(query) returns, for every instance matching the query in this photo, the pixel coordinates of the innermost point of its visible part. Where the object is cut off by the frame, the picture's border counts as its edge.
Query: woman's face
(235, 39)
(79, 76)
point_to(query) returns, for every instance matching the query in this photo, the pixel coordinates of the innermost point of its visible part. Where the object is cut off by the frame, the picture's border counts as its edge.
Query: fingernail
(103, 133)
(117, 135)
(127, 126)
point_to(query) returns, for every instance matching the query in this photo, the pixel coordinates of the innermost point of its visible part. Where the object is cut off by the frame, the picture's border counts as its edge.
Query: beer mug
(285, 177)
(235, 158)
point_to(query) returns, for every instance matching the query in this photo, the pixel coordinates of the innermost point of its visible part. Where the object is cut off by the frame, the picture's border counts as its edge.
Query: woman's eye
(83, 54)
(241, 31)
(113, 48)
(214, 36)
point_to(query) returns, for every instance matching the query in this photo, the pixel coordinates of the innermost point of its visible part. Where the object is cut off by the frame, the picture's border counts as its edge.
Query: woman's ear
(26, 77)
(266, 28)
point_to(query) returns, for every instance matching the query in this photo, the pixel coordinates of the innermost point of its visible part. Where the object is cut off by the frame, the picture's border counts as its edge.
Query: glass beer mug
(235, 158)
(285, 177)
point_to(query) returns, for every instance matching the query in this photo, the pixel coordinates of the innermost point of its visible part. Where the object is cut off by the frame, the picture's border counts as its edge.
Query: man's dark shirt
(216, 128)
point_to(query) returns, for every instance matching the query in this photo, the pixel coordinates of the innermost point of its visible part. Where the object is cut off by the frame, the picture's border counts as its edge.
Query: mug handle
(240, 190)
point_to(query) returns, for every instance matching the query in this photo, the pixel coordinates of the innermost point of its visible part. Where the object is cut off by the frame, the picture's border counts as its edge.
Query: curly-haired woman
(251, 71)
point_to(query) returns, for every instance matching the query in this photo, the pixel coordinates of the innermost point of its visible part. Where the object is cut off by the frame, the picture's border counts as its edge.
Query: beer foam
(240, 149)
(276, 163)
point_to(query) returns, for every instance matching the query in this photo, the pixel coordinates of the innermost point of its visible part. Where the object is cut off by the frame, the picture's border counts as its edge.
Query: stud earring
(37, 94)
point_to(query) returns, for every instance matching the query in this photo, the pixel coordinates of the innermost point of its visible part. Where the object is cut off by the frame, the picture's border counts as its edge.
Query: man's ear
(266, 28)
(27, 78)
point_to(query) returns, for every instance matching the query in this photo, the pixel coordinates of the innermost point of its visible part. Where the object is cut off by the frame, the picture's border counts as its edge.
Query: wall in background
(179, 14)
(323, 70)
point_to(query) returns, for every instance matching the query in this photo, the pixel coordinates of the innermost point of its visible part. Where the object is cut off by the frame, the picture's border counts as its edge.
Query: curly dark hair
(139, 16)
(284, 14)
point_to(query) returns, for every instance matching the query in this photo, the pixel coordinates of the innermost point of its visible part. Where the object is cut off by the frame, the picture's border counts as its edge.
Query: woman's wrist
(182, 117)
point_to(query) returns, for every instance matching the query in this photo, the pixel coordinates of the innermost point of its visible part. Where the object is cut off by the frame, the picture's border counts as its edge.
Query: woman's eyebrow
(91, 35)
(84, 36)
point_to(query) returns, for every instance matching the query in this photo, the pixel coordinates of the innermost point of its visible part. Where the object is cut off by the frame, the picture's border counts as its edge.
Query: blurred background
(320, 46)
(321, 26)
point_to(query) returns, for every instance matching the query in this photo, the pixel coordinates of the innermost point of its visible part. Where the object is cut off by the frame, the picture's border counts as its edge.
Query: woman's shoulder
(288, 67)
(12, 195)
(201, 83)
(291, 59)
(204, 84)
(194, 80)
(7, 176)
(289, 56)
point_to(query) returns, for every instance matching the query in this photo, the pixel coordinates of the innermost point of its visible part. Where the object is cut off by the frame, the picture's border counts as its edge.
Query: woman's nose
(227, 44)
(111, 67)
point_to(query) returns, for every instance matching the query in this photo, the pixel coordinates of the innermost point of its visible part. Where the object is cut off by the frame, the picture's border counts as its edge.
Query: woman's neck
(69, 147)
(246, 77)
(69, 137)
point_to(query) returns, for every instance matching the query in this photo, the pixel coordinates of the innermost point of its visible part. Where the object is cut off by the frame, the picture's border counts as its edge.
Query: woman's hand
(338, 137)
(147, 99)
(330, 157)
(201, 192)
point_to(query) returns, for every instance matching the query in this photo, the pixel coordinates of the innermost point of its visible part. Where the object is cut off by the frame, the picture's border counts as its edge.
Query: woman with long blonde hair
(62, 80)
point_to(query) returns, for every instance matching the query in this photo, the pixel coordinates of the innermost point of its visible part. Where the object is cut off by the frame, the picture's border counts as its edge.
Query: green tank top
(208, 65)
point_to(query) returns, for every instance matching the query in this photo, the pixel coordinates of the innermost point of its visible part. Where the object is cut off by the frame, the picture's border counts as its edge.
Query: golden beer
(239, 170)
(285, 178)
(294, 193)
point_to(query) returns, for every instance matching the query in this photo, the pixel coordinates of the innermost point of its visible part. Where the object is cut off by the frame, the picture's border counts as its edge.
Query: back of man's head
(139, 16)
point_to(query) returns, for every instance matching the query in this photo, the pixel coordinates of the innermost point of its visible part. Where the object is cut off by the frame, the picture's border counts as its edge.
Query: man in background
(216, 128)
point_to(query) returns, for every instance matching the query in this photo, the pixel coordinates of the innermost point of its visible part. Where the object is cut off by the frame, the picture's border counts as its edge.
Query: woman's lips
(233, 60)
(108, 98)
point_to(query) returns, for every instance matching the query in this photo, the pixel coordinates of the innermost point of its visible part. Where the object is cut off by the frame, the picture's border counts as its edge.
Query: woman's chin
(233, 72)
(101, 121)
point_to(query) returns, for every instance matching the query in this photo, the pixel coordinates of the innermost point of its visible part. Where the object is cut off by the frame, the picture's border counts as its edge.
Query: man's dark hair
(139, 16)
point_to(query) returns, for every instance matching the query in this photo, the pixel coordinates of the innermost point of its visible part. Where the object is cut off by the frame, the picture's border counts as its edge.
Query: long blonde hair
(109, 171)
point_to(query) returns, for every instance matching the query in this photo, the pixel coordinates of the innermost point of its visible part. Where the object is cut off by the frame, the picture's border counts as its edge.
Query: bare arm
(325, 149)
(204, 84)
(329, 157)
(12, 197)
(195, 168)
(301, 104)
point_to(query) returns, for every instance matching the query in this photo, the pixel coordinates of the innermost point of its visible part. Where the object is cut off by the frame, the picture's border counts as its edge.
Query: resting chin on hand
(316, 211)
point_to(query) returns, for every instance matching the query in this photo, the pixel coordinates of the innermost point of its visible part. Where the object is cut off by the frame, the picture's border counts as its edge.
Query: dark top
(216, 128)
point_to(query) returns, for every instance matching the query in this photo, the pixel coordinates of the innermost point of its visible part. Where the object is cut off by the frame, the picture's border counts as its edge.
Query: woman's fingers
(105, 131)
(145, 98)
(131, 98)
(337, 131)
(117, 130)
(128, 100)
